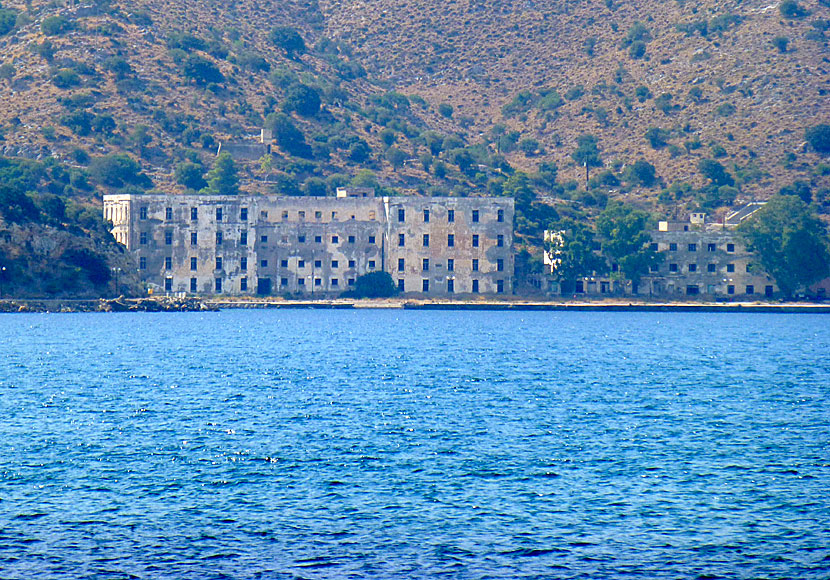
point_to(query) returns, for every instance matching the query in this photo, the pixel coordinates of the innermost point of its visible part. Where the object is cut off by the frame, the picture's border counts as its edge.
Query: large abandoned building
(265, 244)
(701, 259)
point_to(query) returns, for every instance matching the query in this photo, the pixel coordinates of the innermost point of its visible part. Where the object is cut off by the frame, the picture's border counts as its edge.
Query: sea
(310, 444)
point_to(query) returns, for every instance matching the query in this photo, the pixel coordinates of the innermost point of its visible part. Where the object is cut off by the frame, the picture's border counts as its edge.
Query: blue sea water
(405, 444)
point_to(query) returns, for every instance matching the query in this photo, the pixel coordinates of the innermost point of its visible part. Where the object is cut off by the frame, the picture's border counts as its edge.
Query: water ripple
(337, 444)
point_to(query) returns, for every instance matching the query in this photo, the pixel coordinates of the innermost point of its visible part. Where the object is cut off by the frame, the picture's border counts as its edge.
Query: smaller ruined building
(265, 244)
(701, 259)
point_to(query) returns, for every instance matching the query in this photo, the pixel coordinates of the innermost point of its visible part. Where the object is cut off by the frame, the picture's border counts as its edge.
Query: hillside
(688, 104)
(729, 85)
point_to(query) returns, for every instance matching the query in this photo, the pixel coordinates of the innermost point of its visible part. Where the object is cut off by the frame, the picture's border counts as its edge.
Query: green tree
(715, 172)
(191, 175)
(435, 142)
(117, 171)
(641, 173)
(625, 240)
(8, 19)
(637, 49)
(374, 285)
(15, 205)
(288, 136)
(201, 70)
(572, 250)
(587, 154)
(289, 40)
(54, 25)
(140, 138)
(664, 103)
(446, 110)
(529, 146)
(818, 137)
(395, 157)
(6, 71)
(798, 188)
(781, 42)
(222, 179)
(792, 9)
(302, 99)
(791, 243)
(315, 187)
(359, 151)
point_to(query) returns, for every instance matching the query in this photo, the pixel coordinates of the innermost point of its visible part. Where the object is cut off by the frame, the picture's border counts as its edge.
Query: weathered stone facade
(259, 244)
(706, 260)
(710, 262)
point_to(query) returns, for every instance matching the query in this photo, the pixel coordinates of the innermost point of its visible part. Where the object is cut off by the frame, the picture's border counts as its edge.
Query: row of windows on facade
(691, 289)
(710, 268)
(730, 247)
(143, 239)
(334, 264)
(333, 283)
(475, 215)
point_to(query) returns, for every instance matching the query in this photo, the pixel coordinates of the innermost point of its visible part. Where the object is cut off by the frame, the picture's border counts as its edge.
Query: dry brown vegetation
(734, 96)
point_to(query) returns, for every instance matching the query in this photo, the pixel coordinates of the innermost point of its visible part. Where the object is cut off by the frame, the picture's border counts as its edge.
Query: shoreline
(168, 304)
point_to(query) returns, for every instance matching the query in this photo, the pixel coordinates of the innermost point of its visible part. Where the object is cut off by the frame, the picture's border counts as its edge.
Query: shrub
(289, 40)
(657, 137)
(395, 157)
(79, 122)
(80, 156)
(818, 137)
(118, 66)
(726, 110)
(637, 49)
(604, 179)
(185, 41)
(529, 146)
(288, 136)
(374, 285)
(117, 171)
(574, 93)
(589, 45)
(723, 22)
(191, 175)
(798, 188)
(715, 172)
(8, 18)
(521, 103)
(550, 100)
(93, 266)
(15, 205)
(637, 33)
(45, 49)
(780, 43)
(201, 70)
(445, 110)
(792, 9)
(6, 71)
(54, 25)
(66, 78)
(718, 151)
(252, 61)
(664, 103)
(303, 100)
(388, 137)
(286, 185)
(641, 173)
(315, 187)
(642, 93)
(359, 151)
